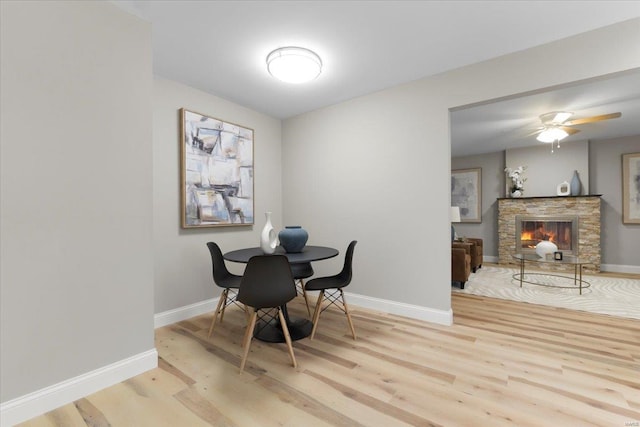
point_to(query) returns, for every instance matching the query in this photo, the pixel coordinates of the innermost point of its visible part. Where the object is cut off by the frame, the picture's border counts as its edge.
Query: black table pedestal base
(272, 331)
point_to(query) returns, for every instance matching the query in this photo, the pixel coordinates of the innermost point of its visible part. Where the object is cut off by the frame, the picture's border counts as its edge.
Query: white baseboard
(37, 403)
(615, 268)
(442, 317)
(183, 313)
(387, 306)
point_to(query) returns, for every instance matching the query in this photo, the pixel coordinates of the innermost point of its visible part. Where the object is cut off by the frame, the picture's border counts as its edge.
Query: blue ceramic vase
(576, 185)
(293, 238)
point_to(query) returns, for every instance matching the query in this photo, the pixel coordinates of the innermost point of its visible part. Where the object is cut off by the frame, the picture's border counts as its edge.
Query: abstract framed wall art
(466, 193)
(631, 188)
(216, 172)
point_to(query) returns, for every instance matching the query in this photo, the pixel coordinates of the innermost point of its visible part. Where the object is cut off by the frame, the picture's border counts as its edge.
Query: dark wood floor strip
(306, 403)
(341, 361)
(424, 370)
(633, 415)
(163, 364)
(204, 409)
(373, 403)
(90, 414)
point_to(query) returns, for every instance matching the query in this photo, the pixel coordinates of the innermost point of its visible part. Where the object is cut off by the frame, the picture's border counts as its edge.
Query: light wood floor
(500, 364)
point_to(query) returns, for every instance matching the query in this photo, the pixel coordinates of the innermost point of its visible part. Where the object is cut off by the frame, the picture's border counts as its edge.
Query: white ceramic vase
(268, 237)
(545, 247)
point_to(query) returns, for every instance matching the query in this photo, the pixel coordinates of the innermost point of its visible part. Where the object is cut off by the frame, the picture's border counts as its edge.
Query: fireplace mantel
(548, 197)
(586, 208)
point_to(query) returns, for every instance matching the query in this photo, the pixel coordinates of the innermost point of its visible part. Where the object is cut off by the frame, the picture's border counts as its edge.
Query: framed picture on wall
(631, 188)
(216, 172)
(466, 193)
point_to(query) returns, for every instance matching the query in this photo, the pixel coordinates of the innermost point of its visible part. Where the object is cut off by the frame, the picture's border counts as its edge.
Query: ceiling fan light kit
(294, 64)
(552, 134)
(555, 126)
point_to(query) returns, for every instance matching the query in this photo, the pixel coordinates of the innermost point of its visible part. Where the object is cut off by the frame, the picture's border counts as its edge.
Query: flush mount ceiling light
(294, 64)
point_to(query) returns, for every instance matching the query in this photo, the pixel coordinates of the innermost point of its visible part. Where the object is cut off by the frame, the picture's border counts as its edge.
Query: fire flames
(530, 239)
(528, 235)
(558, 232)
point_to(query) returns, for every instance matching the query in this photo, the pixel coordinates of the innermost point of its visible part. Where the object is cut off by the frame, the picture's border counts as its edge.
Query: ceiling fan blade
(569, 130)
(535, 132)
(592, 119)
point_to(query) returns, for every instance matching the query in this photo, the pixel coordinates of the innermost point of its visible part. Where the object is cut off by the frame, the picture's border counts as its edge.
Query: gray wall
(76, 213)
(182, 264)
(492, 184)
(377, 168)
(619, 241)
(545, 170)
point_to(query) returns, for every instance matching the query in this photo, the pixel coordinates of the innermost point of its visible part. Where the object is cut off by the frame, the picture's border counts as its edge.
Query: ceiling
(220, 47)
(496, 126)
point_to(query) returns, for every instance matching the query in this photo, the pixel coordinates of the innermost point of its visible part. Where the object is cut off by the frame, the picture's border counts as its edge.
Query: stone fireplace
(571, 222)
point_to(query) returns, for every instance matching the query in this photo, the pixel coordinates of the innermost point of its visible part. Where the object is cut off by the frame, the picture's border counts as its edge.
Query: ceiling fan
(555, 126)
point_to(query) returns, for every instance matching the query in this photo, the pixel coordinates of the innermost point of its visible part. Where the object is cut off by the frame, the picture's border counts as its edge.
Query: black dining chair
(230, 283)
(301, 272)
(331, 290)
(267, 284)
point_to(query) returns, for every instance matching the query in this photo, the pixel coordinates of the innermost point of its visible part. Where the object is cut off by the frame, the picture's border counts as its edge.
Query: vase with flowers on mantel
(516, 188)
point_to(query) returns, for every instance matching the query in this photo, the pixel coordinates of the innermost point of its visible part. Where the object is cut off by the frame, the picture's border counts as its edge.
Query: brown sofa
(475, 249)
(460, 264)
(479, 253)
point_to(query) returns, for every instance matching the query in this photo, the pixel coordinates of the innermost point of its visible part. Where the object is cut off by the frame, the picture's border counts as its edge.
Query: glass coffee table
(575, 282)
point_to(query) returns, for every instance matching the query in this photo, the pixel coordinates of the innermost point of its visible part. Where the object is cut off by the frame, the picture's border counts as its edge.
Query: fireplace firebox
(561, 230)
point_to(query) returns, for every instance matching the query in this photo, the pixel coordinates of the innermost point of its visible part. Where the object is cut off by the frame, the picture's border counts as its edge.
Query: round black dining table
(298, 327)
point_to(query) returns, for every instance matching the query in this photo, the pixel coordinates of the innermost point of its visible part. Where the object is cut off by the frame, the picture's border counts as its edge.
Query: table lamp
(455, 217)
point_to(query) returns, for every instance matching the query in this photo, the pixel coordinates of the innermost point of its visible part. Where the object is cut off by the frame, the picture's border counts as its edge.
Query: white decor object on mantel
(563, 189)
(545, 247)
(268, 237)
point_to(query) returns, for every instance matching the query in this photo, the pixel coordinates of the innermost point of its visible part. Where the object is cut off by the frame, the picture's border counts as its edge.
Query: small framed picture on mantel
(631, 188)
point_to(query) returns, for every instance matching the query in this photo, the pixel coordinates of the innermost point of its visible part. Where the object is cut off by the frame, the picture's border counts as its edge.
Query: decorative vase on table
(545, 247)
(293, 238)
(576, 185)
(268, 237)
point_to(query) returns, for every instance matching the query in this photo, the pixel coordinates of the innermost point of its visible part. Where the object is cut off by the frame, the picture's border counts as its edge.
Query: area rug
(605, 295)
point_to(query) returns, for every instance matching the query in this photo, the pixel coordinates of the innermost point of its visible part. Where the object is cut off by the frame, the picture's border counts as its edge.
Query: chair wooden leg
(316, 314)
(222, 300)
(287, 337)
(346, 310)
(248, 335)
(304, 294)
(247, 314)
(224, 306)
